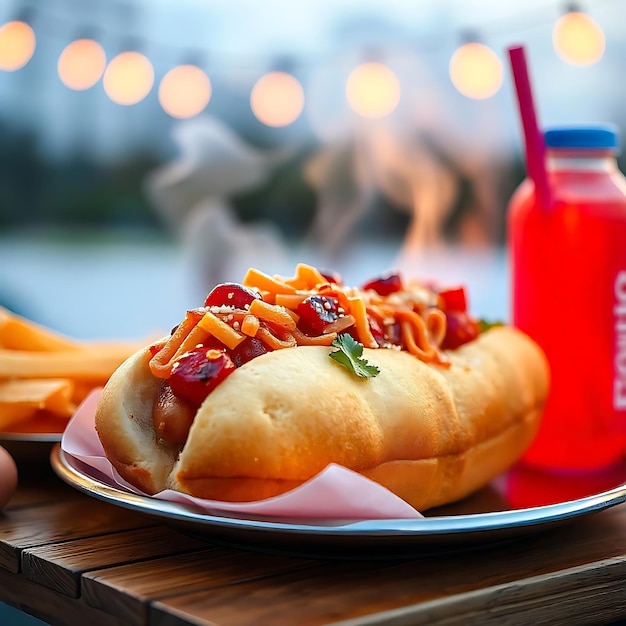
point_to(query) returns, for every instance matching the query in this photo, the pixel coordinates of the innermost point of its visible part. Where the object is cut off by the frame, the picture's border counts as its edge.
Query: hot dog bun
(431, 434)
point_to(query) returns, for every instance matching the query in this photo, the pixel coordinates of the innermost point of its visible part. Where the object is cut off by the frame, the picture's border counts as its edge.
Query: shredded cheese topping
(274, 318)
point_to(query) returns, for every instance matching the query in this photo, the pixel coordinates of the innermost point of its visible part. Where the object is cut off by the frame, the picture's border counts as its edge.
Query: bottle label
(619, 369)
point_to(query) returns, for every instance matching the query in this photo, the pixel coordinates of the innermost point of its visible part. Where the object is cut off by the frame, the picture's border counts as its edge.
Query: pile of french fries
(45, 375)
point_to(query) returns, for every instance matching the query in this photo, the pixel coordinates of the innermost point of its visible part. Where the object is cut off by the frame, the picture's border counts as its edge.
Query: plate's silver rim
(30, 437)
(428, 526)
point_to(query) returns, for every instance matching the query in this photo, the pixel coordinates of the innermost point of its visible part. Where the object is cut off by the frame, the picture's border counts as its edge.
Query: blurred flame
(184, 91)
(476, 71)
(128, 78)
(578, 39)
(81, 64)
(277, 99)
(373, 90)
(17, 45)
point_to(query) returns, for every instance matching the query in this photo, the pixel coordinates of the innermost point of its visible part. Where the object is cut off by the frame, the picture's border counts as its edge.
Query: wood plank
(127, 590)
(40, 490)
(51, 607)
(59, 566)
(22, 528)
(589, 594)
(319, 595)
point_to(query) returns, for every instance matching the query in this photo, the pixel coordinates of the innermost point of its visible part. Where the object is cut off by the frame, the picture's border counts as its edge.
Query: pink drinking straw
(533, 137)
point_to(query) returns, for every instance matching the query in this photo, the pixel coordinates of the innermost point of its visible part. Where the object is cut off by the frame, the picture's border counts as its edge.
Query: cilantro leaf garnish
(349, 355)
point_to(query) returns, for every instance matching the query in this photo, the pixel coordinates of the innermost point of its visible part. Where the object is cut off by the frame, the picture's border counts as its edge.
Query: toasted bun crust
(430, 434)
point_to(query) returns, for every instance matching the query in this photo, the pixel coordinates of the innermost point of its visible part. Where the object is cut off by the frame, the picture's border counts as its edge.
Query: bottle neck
(595, 161)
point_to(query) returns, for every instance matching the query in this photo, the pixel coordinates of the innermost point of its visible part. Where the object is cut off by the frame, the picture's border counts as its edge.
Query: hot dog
(275, 378)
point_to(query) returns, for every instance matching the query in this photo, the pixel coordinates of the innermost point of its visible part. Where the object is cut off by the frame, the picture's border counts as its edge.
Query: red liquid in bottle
(568, 266)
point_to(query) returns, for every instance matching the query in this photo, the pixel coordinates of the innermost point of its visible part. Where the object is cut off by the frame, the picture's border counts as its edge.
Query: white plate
(479, 520)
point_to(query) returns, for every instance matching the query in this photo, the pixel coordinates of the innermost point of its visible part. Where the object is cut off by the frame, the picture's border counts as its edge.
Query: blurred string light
(476, 71)
(17, 45)
(373, 90)
(81, 64)
(128, 78)
(184, 91)
(577, 38)
(277, 99)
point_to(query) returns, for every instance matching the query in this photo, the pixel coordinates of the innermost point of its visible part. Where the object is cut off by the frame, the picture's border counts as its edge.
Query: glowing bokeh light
(578, 39)
(373, 90)
(17, 45)
(128, 78)
(81, 64)
(184, 91)
(476, 71)
(277, 99)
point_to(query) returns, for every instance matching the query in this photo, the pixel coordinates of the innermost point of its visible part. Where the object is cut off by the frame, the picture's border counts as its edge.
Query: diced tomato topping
(247, 350)
(385, 285)
(375, 328)
(454, 299)
(231, 294)
(460, 330)
(331, 277)
(197, 372)
(393, 334)
(316, 313)
(383, 334)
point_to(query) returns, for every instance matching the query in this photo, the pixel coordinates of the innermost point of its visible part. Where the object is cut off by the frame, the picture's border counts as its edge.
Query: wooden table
(70, 559)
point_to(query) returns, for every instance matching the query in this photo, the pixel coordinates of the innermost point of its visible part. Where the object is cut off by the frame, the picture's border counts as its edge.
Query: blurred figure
(350, 178)
(343, 199)
(438, 156)
(191, 196)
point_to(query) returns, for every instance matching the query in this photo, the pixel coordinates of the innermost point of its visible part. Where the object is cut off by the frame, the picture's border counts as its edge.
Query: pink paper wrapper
(336, 493)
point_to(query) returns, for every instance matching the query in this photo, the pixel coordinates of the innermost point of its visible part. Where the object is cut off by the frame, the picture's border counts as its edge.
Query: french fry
(39, 422)
(53, 395)
(87, 364)
(14, 415)
(18, 333)
(22, 401)
(82, 388)
(45, 375)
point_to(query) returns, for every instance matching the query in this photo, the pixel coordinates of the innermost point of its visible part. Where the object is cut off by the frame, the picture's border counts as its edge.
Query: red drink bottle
(568, 280)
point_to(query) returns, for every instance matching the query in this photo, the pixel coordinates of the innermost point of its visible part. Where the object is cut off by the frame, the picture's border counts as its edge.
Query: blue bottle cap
(597, 136)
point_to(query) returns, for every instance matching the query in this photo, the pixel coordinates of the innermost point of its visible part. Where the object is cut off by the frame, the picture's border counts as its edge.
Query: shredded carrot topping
(307, 277)
(292, 300)
(250, 325)
(264, 282)
(358, 311)
(321, 340)
(274, 342)
(161, 363)
(311, 310)
(221, 330)
(275, 314)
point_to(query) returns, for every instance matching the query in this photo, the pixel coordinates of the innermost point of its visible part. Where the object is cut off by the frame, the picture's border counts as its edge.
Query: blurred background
(151, 148)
